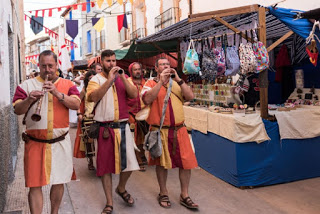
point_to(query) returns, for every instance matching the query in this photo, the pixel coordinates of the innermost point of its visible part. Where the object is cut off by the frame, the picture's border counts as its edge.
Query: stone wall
(10, 138)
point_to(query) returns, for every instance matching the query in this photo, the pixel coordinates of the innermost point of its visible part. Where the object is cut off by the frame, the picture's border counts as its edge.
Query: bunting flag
(94, 21)
(72, 28)
(120, 2)
(122, 21)
(63, 55)
(131, 1)
(99, 25)
(100, 2)
(84, 6)
(109, 2)
(36, 24)
(51, 33)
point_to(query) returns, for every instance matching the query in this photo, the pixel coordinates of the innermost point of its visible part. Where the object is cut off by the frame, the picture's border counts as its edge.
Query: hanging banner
(63, 56)
(99, 25)
(72, 28)
(36, 24)
(122, 21)
(94, 21)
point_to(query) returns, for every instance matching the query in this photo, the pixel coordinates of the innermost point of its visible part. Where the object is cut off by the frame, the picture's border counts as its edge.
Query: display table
(252, 164)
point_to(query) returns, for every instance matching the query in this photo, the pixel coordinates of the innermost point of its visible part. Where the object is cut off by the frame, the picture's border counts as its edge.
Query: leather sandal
(142, 168)
(125, 196)
(164, 199)
(107, 209)
(188, 203)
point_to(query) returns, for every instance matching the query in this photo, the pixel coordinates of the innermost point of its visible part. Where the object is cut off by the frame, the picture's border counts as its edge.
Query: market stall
(233, 142)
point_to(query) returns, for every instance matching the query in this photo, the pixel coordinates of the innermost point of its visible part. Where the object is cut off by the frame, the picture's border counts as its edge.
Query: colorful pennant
(100, 2)
(122, 21)
(99, 25)
(72, 28)
(120, 2)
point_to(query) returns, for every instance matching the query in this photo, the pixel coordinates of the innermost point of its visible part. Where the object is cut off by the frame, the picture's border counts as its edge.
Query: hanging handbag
(152, 141)
(191, 63)
(261, 54)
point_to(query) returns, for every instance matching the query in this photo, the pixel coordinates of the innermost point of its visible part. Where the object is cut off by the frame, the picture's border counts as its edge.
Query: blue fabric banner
(36, 24)
(72, 28)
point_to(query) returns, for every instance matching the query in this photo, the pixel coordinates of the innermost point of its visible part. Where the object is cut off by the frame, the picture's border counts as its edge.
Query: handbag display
(152, 141)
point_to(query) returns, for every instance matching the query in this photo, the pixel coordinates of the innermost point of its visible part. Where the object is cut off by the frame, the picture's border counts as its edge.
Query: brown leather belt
(113, 125)
(26, 138)
(175, 128)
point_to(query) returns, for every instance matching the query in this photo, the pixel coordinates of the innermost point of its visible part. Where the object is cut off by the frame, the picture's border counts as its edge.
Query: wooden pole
(231, 27)
(179, 67)
(263, 76)
(278, 42)
(190, 7)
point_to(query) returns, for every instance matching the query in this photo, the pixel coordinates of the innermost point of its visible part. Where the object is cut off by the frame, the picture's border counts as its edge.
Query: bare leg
(107, 187)
(162, 175)
(124, 176)
(35, 200)
(56, 194)
(184, 176)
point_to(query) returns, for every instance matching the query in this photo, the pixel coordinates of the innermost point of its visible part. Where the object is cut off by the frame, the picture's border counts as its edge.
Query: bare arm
(151, 95)
(23, 106)
(68, 101)
(131, 90)
(97, 94)
(185, 89)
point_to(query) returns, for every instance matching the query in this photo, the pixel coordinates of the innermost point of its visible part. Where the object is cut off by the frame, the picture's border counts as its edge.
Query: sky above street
(49, 22)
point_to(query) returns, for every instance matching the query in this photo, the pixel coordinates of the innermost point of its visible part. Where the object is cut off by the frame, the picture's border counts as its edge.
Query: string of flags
(32, 59)
(37, 26)
(83, 6)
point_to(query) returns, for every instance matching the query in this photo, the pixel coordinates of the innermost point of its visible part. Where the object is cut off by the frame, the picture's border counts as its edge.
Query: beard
(137, 76)
(106, 69)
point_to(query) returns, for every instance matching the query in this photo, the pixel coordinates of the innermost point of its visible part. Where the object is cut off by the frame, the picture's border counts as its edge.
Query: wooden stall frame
(263, 76)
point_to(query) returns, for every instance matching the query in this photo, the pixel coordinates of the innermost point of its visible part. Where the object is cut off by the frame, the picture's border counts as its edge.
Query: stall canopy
(144, 53)
(80, 64)
(279, 22)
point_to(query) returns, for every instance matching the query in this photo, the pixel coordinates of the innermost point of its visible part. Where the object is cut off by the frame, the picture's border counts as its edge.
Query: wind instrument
(36, 115)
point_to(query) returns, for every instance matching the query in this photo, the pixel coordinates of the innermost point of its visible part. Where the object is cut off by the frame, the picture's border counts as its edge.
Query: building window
(88, 6)
(88, 41)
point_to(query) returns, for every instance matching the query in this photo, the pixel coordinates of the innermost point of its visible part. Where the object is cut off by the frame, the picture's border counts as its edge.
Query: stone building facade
(12, 72)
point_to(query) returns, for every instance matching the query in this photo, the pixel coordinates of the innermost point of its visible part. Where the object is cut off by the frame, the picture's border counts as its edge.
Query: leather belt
(26, 138)
(113, 125)
(175, 128)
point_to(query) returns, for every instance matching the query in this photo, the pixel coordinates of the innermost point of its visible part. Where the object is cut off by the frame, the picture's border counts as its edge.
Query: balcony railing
(166, 19)
(139, 33)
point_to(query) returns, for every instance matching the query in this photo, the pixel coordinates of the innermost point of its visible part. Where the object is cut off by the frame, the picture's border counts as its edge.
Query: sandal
(107, 209)
(125, 196)
(164, 199)
(90, 165)
(142, 168)
(188, 203)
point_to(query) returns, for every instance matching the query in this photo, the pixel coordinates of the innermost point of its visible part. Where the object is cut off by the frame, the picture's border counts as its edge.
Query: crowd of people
(111, 100)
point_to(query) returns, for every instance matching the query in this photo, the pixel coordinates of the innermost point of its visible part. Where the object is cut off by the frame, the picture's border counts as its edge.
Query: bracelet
(180, 82)
(62, 99)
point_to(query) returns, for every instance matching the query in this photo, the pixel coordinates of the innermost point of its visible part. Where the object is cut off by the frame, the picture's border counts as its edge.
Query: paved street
(85, 196)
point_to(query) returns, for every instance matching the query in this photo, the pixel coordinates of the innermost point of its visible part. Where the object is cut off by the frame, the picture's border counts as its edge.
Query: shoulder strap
(165, 103)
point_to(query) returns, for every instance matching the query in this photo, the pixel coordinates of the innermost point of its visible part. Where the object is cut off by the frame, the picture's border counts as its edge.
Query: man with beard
(48, 150)
(110, 90)
(135, 105)
(177, 150)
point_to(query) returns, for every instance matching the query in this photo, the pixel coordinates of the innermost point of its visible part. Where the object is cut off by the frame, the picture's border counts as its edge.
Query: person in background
(48, 149)
(83, 149)
(97, 67)
(135, 105)
(177, 151)
(109, 90)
